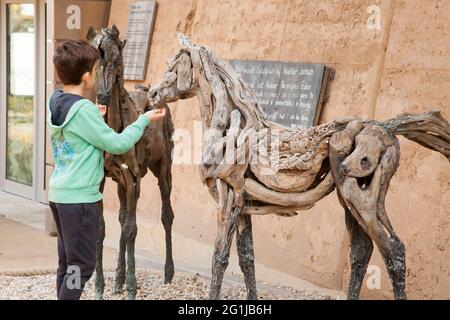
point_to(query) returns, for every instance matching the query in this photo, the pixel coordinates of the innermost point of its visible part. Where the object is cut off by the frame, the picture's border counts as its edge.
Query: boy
(79, 136)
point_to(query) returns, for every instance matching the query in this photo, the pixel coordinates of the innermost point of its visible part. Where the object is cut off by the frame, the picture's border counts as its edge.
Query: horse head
(110, 69)
(178, 82)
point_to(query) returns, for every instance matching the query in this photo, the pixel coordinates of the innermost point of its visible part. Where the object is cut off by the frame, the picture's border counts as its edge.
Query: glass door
(18, 92)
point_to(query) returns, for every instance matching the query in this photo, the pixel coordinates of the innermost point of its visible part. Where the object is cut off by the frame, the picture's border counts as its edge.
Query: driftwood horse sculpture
(153, 151)
(253, 166)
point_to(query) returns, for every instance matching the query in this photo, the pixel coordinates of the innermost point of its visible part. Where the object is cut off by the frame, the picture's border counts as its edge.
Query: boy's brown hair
(73, 59)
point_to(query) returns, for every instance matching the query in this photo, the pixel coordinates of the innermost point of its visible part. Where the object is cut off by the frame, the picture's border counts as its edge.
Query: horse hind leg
(366, 203)
(246, 254)
(395, 254)
(340, 147)
(361, 248)
(395, 261)
(392, 251)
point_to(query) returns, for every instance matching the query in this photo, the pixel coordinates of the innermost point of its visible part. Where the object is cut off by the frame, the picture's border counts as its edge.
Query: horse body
(252, 166)
(152, 151)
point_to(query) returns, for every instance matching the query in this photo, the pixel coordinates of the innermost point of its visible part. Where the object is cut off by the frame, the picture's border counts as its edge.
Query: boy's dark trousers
(77, 226)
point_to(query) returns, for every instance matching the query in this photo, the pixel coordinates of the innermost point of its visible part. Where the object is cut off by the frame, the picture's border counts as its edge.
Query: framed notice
(290, 93)
(141, 16)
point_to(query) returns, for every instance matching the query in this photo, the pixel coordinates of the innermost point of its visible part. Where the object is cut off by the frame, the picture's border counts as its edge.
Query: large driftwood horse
(153, 151)
(288, 170)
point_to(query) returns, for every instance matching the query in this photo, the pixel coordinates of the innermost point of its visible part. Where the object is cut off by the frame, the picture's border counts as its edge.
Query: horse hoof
(117, 291)
(168, 279)
(253, 297)
(99, 296)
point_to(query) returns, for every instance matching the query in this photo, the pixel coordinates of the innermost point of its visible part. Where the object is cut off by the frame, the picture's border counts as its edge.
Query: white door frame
(36, 191)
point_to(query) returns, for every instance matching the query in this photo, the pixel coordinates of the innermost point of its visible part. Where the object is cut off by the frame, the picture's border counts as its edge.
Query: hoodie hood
(62, 108)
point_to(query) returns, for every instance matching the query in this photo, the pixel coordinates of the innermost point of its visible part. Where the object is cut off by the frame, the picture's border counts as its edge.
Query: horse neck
(119, 97)
(119, 83)
(120, 91)
(241, 95)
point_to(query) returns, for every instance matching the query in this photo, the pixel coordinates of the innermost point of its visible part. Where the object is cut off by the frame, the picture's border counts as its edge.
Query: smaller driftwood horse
(289, 170)
(153, 151)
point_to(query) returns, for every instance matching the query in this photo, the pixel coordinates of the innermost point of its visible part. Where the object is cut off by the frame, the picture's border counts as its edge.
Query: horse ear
(124, 42)
(91, 34)
(115, 31)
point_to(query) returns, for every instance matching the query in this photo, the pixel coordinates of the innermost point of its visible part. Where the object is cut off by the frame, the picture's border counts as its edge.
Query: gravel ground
(150, 287)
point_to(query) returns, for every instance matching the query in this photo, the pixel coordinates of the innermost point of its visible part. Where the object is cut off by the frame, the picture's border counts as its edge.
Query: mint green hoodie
(79, 135)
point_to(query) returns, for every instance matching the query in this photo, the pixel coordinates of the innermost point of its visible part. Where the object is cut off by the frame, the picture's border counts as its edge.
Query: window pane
(20, 103)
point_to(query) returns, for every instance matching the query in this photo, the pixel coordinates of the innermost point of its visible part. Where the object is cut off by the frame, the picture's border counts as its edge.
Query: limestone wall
(402, 66)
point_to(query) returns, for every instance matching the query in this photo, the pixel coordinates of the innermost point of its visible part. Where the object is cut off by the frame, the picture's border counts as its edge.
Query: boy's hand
(155, 115)
(102, 109)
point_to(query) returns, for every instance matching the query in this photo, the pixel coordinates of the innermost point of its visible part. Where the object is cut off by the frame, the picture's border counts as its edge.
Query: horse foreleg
(227, 221)
(246, 254)
(99, 277)
(130, 228)
(121, 267)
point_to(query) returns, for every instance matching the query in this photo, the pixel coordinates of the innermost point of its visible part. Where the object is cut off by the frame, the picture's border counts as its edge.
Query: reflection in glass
(20, 91)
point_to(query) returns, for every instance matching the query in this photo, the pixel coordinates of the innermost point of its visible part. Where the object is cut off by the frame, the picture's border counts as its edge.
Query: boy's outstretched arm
(88, 123)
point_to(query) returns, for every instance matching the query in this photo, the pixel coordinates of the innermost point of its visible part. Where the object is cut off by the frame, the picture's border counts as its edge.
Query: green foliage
(19, 160)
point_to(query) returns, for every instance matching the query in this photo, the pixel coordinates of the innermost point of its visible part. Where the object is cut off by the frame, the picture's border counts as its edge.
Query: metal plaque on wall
(141, 16)
(291, 94)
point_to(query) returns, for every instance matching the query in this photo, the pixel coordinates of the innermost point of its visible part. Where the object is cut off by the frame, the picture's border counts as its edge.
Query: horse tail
(429, 129)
